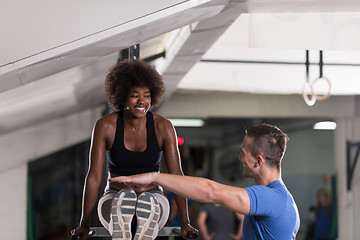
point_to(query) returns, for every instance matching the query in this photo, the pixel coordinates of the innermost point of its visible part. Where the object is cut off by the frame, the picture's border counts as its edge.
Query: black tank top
(124, 162)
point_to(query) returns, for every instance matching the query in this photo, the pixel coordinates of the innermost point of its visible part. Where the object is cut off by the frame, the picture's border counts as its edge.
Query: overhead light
(325, 125)
(187, 122)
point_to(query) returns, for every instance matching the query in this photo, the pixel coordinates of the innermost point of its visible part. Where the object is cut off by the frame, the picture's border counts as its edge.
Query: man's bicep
(236, 199)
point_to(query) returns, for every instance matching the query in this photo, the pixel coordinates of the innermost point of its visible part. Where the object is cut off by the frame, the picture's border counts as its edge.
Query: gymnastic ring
(308, 101)
(322, 97)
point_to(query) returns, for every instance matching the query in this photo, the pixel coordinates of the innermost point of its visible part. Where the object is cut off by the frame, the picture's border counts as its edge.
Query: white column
(348, 201)
(13, 203)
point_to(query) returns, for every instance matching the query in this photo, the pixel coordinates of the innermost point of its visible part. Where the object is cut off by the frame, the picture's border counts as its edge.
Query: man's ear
(260, 160)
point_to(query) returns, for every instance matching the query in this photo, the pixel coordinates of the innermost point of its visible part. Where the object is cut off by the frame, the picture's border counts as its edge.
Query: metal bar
(350, 167)
(321, 63)
(165, 231)
(277, 62)
(154, 57)
(123, 55)
(307, 64)
(134, 52)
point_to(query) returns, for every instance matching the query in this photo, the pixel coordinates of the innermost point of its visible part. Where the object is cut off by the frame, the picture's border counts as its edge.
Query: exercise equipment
(165, 231)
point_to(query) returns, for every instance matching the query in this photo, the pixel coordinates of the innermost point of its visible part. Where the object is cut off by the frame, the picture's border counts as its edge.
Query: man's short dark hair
(268, 141)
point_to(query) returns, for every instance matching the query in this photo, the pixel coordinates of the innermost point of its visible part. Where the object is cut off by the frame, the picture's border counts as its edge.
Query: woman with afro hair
(133, 140)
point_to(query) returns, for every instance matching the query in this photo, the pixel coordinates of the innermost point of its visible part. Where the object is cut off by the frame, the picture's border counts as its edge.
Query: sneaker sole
(122, 212)
(148, 215)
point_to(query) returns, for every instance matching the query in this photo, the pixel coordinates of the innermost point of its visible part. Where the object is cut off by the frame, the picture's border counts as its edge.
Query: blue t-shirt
(273, 213)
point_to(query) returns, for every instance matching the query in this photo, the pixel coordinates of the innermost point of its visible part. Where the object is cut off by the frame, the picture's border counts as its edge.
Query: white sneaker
(148, 215)
(122, 212)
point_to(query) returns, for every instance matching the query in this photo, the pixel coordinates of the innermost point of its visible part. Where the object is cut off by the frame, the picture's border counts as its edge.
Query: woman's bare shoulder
(162, 122)
(108, 121)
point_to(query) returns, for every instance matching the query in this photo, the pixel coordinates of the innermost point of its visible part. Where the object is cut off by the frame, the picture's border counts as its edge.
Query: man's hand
(138, 181)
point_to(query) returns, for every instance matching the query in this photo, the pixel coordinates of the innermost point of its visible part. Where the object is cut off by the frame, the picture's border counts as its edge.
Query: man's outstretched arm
(196, 188)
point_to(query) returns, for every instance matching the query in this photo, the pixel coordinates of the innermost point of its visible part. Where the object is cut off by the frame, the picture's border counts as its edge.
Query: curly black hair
(127, 74)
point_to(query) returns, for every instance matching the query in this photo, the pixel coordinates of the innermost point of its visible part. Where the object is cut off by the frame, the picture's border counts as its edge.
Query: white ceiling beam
(78, 51)
(237, 105)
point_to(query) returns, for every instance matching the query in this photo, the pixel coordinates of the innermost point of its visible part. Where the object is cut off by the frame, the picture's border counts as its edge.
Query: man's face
(246, 158)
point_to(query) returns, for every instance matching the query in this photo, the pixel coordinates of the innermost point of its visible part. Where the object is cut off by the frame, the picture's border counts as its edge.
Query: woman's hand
(188, 231)
(82, 231)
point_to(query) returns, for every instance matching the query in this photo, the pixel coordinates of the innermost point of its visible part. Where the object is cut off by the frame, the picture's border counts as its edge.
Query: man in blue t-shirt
(271, 212)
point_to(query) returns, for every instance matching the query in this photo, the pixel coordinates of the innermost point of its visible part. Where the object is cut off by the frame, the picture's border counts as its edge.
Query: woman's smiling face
(138, 101)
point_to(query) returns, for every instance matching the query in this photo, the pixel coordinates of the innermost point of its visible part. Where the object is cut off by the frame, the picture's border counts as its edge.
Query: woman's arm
(172, 159)
(167, 134)
(93, 177)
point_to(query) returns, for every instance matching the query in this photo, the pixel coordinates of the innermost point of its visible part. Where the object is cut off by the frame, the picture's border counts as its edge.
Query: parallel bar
(165, 231)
